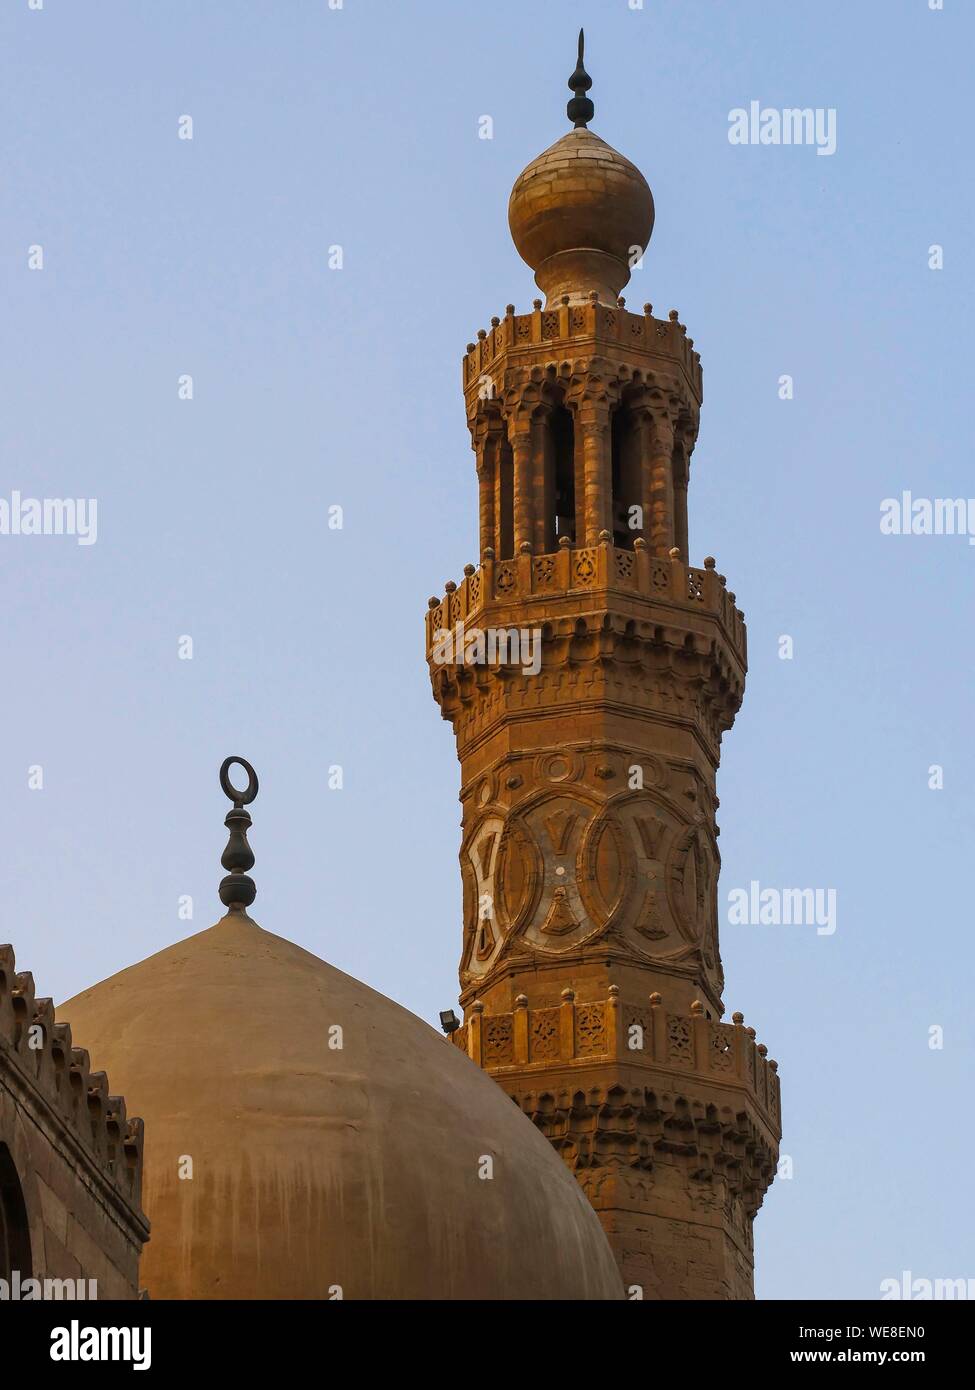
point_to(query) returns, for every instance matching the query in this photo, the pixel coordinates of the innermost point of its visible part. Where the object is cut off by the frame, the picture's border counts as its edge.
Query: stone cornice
(53, 1079)
(604, 660)
(703, 1090)
(640, 347)
(573, 1036)
(631, 582)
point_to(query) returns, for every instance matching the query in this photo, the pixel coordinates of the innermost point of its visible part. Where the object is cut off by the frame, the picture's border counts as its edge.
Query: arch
(504, 510)
(564, 481)
(627, 476)
(680, 460)
(15, 1251)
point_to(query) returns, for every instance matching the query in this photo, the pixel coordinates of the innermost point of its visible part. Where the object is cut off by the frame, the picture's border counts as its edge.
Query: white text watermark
(792, 125)
(756, 906)
(908, 515)
(49, 516)
(493, 646)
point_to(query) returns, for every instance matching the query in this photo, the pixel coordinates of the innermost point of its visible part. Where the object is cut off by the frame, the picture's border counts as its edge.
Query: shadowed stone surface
(70, 1158)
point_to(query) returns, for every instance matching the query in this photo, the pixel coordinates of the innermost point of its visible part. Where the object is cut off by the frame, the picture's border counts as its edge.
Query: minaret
(591, 975)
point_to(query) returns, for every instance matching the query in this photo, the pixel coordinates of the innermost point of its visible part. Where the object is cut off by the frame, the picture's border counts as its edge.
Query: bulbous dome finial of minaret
(237, 890)
(580, 109)
(581, 214)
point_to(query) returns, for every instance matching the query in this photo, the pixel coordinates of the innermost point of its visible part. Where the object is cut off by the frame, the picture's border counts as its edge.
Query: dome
(335, 1139)
(576, 213)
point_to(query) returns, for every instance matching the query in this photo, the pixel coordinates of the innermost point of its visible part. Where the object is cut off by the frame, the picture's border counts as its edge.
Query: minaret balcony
(534, 589)
(555, 1058)
(582, 330)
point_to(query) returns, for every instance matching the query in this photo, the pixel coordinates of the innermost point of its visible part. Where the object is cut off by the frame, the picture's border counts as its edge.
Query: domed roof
(335, 1139)
(579, 211)
(576, 213)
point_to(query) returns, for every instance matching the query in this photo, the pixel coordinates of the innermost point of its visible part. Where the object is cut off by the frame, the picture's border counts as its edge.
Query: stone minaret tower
(591, 975)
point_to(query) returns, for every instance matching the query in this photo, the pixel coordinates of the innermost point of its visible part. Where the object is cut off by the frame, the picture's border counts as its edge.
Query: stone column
(499, 499)
(486, 432)
(485, 489)
(579, 483)
(680, 466)
(543, 483)
(661, 492)
(520, 435)
(593, 420)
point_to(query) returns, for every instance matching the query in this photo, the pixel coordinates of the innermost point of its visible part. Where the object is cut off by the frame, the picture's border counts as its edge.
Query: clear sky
(358, 127)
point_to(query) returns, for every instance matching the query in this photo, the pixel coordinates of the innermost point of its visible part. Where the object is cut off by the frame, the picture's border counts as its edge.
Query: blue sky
(358, 127)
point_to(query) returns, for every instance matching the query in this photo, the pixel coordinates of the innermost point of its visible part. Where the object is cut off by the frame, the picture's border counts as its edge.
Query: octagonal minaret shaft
(589, 673)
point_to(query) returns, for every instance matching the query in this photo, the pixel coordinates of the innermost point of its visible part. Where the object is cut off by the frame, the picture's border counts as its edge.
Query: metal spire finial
(580, 109)
(237, 890)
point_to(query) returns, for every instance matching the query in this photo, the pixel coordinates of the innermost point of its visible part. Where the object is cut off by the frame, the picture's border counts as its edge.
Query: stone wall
(76, 1155)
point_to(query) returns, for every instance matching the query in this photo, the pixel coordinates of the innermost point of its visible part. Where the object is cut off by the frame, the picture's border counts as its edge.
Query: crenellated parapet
(56, 1082)
(564, 583)
(657, 350)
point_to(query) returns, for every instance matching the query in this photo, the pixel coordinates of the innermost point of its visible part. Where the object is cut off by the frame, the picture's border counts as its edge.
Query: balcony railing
(590, 568)
(605, 1030)
(571, 324)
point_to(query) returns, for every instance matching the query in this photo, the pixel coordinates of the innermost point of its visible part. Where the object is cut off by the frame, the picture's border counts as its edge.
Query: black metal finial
(580, 109)
(237, 890)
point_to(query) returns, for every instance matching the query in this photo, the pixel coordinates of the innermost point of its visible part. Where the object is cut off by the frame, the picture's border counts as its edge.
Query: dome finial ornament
(580, 109)
(237, 890)
(580, 213)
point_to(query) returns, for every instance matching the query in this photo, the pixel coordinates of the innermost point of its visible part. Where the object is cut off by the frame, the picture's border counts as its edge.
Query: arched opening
(627, 492)
(680, 471)
(506, 502)
(14, 1229)
(564, 456)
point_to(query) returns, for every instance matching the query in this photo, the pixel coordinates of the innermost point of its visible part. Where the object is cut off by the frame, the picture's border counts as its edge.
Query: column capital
(663, 420)
(592, 416)
(486, 423)
(593, 429)
(520, 426)
(527, 396)
(685, 434)
(594, 392)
